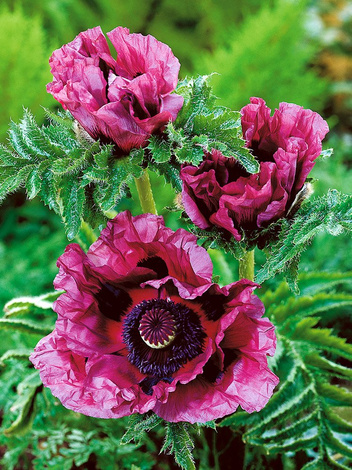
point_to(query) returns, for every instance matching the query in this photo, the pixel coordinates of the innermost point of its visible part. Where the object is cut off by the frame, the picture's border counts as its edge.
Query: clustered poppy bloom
(122, 100)
(142, 327)
(219, 192)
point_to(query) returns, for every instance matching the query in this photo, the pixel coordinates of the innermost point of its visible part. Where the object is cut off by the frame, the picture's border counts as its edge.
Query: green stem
(215, 453)
(145, 193)
(246, 266)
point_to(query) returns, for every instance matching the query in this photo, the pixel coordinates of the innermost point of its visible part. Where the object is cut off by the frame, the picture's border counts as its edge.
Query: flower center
(161, 336)
(157, 327)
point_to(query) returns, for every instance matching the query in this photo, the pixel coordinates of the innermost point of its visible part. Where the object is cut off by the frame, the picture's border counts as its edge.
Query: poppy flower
(142, 327)
(219, 192)
(122, 100)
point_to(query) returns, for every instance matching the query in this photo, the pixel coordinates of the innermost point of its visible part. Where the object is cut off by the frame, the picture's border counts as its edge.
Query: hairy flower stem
(246, 266)
(145, 193)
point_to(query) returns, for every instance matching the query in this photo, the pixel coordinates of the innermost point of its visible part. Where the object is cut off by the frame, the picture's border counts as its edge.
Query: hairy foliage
(77, 178)
(179, 443)
(200, 126)
(331, 213)
(82, 180)
(313, 364)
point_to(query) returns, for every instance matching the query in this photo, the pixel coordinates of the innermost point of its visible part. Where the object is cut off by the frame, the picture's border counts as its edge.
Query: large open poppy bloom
(220, 192)
(142, 327)
(122, 100)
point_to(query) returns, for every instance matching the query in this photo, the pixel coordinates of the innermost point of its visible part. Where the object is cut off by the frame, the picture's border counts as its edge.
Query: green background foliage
(24, 72)
(257, 49)
(269, 56)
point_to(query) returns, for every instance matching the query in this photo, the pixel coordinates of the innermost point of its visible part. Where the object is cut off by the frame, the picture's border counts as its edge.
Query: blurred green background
(281, 50)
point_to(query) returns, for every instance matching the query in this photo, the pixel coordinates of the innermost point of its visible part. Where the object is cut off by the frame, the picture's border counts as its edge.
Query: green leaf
(198, 98)
(76, 177)
(171, 175)
(65, 166)
(138, 425)
(179, 443)
(15, 354)
(302, 413)
(34, 180)
(201, 126)
(21, 305)
(25, 326)
(73, 198)
(336, 395)
(49, 192)
(314, 282)
(332, 213)
(26, 405)
(160, 149)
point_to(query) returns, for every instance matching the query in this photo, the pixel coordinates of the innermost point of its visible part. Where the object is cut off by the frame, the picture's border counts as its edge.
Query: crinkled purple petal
(122, 100)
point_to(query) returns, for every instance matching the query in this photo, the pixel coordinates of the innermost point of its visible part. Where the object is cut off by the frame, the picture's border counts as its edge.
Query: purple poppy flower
(220, 192)
(122, 100)
(142, 327)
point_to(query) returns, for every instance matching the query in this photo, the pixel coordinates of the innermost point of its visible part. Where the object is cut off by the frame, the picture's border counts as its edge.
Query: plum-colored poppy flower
(122, 100)
(142, 327)
(220, 192)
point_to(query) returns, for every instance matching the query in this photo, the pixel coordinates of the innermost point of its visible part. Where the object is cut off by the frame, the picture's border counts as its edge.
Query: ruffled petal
(138, 54)
(123, 100)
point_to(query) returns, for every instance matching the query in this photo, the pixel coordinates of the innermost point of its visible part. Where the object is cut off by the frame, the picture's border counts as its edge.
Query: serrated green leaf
(336, 395)
(198, 97)
(15, 354)
(102, 157)
(200, 126)
(331, 213)
(308, 305)
(9, 158)
(171, 175)
(66, 166)
(49, 192)
(73, 198)
(337, 424)
(315, 360)
(18, 142)
(160, 149)
(138, 425)
(338, 445)
(278, 438)
(78, 179)
(179, 443)
(312, 283)
(301, 415)
(322, 338)
(19, 304)
(61, 118)
(9, 181)
(34, 181)
(25, 326)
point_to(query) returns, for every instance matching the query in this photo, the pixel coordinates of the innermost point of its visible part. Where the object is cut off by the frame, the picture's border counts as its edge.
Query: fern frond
(303, 415)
